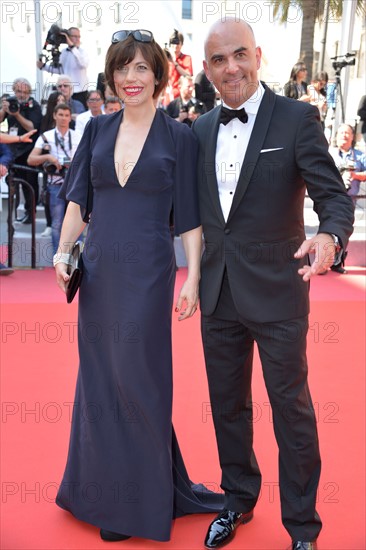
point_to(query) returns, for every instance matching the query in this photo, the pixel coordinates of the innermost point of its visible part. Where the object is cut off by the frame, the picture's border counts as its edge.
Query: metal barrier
(13, 182)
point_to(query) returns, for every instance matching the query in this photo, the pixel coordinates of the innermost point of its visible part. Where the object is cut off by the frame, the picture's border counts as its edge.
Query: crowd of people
(185, 98)
(73, 90)
(131, 179)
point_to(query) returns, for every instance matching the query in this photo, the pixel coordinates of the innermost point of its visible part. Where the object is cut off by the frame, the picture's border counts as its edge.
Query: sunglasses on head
(139, 35)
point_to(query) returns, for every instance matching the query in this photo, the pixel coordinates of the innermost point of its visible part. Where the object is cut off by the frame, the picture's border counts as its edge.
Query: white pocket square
(275, 149)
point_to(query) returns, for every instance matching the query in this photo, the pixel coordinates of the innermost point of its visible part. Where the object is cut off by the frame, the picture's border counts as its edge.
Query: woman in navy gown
(124, 471)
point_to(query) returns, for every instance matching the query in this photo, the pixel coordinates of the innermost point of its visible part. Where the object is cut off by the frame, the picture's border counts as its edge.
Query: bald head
(232, 60)
(222, 27)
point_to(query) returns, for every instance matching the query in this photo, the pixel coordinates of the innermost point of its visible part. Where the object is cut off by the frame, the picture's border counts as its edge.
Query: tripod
(338, 91)
(53, 55)
(338, 100)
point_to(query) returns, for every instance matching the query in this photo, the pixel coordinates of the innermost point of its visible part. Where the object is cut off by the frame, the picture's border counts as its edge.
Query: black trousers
(31, 178)
(228, 341)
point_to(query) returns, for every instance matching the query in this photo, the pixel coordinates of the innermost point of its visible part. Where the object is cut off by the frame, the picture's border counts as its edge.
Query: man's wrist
(336, 241)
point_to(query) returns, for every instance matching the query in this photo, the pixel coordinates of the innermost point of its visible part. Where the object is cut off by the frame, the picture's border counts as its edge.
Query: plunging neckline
(115, 163)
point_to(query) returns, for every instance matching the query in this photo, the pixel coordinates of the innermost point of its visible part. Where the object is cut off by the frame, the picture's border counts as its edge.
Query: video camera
(54, 39)
(340, 61)
(174, 39)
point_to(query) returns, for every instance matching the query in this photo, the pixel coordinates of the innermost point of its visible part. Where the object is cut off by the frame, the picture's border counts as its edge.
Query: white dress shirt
(232, 143)
(70, 143)
(74, 63)
(82, 120)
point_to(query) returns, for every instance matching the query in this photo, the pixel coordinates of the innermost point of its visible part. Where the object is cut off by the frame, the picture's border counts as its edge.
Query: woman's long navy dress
(124, 470)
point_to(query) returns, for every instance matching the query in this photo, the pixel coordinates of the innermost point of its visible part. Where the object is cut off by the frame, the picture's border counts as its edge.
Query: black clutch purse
(75, 270)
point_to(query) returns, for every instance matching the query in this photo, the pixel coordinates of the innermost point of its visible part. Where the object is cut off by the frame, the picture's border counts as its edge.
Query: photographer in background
(23, 114)
(180, 64)
(351, 164)
(179, 107)
(74, 62)
(350, 161)
(54, 150)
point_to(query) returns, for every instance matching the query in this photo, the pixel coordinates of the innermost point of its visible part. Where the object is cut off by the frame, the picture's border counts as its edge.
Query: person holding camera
(179, 107)
(54, 150)
(350, 162)
(74, 62)
(23, 114)
(180, 64)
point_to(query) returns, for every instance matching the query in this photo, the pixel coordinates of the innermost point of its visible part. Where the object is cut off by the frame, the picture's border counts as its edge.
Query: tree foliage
(312, 11)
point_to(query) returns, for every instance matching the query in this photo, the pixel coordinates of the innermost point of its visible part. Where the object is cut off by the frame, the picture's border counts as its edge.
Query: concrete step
(44, 253)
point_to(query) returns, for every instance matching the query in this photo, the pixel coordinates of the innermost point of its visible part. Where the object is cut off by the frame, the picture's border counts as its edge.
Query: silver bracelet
(61, 257)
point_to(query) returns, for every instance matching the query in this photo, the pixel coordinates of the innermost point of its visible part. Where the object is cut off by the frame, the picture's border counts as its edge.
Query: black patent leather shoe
(299, 545)
(222, 529)
(338, 269)
(111, 536)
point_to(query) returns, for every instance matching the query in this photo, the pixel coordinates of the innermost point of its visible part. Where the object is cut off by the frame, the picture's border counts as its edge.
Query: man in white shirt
(259, 153)
(74, 62)
(54, 150)
(94, 102)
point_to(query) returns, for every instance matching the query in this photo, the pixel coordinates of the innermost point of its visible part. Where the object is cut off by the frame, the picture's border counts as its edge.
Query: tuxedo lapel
(212, 127)
(257, 138)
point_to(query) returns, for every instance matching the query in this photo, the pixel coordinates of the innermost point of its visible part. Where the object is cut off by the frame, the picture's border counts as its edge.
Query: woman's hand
(62, 277)
(187, 302)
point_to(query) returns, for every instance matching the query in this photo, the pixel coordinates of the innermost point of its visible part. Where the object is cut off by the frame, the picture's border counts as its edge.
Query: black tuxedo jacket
(286, 154)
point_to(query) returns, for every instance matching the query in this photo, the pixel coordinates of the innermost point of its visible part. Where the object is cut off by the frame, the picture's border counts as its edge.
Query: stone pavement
(22, 236)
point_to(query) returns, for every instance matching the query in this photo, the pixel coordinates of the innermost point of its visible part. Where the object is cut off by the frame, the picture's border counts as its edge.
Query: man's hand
(51, 159)
(3, 170)
(68, 39)
(5, 107)
(324, 248)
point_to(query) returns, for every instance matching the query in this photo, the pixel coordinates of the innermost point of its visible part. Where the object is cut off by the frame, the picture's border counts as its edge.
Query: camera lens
(50, 168)
(14, 104)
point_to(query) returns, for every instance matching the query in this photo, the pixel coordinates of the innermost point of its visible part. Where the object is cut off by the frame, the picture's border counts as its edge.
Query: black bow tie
(228, 114)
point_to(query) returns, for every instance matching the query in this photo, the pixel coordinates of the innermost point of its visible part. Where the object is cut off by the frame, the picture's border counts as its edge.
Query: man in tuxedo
(253, 174)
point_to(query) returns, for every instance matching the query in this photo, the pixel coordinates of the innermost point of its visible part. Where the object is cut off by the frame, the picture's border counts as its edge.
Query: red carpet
(39, 365)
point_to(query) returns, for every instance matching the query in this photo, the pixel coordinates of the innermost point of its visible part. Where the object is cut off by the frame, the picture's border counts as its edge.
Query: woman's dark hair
(122, 53)
(48, 121)
(318, 78)
(299, 66)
